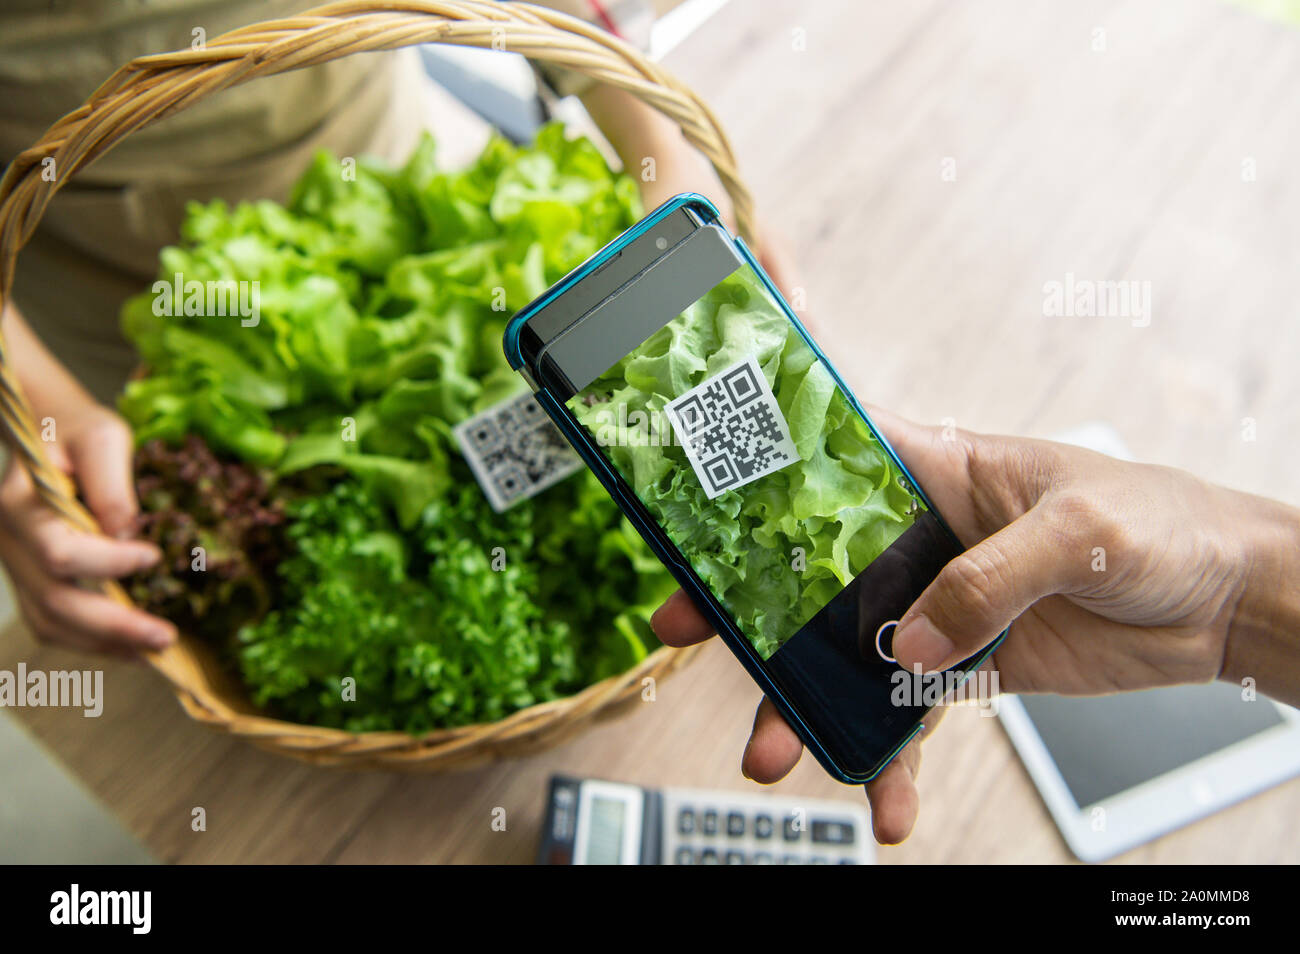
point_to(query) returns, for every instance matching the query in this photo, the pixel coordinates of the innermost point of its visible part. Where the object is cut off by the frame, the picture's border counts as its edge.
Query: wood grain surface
(1124, 164)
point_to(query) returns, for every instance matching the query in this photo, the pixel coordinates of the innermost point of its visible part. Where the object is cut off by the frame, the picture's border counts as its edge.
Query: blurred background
(932, 166)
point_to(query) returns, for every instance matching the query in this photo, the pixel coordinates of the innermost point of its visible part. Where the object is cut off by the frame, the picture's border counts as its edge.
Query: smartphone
(684, 380)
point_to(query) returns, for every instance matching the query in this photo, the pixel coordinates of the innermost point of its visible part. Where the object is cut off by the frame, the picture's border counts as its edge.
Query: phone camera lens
(661, 243)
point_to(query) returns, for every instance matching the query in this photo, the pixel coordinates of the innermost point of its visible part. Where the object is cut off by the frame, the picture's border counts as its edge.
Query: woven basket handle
(152, 87)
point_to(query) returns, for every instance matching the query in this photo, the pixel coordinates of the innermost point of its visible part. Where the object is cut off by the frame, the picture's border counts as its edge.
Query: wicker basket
(153, 87)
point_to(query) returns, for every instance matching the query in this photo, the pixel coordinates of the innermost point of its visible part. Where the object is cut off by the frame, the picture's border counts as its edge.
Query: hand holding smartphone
(685, 382)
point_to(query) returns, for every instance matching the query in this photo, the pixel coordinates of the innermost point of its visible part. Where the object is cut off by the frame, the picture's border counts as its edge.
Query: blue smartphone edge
(667, 554)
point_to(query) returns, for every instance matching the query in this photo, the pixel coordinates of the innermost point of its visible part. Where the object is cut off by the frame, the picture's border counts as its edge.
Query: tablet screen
(1107, 745)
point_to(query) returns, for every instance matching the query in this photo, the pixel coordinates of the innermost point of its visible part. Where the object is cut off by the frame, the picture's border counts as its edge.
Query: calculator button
(790, 860)
(686, 821)
(710, 826)
(735, 824)
(763, 826)
(735, 858)
(684, 856)
(847, 861)
(709, 856)
(832, 832)
(762, 858)
(789, 830)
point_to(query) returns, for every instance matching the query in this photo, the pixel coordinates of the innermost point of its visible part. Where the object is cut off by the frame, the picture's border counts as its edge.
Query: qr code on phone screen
(515, 451)
(731, 428)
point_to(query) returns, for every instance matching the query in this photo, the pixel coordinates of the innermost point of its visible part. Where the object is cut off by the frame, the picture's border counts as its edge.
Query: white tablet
(1117, 771)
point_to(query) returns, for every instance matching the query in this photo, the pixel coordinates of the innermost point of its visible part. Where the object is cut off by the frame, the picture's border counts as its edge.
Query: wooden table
(1120, 163)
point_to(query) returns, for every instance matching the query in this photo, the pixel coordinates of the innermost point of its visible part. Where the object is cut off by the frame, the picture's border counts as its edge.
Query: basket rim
(152, 87)
(309, 738)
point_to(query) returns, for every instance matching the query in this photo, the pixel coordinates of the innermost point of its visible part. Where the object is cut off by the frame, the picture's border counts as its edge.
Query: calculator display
(605, 841)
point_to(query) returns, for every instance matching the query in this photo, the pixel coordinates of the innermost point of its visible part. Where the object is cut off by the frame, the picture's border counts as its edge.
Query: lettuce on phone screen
(777, 509)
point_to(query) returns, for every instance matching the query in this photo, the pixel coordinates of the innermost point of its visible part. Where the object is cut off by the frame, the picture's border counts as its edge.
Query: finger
(71, 616)
(901, 431)
(37, 533)
(55, 453)
(977, 595)
(937, 457)
(773, 748)
(101, 460)
(67, 553)
(47, 630)
(931, 453)
(894, 799)
(679, 623)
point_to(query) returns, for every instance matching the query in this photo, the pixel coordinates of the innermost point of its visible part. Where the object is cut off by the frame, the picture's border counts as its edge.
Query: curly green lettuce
(465, 618)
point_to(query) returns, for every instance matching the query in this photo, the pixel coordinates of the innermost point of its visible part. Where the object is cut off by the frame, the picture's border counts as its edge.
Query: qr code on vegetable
(731, 428)
(515, 451)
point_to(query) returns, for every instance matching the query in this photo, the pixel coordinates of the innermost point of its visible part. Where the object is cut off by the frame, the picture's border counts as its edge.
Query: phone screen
(735, 437)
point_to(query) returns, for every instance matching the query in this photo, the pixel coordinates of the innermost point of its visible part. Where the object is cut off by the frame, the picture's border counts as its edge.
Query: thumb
(977, 595)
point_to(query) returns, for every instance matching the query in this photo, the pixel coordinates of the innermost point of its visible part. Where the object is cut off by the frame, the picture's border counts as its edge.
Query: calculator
(594, 822)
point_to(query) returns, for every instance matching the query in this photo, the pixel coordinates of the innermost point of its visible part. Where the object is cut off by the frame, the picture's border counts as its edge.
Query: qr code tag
(731, 428)
(515, 450)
